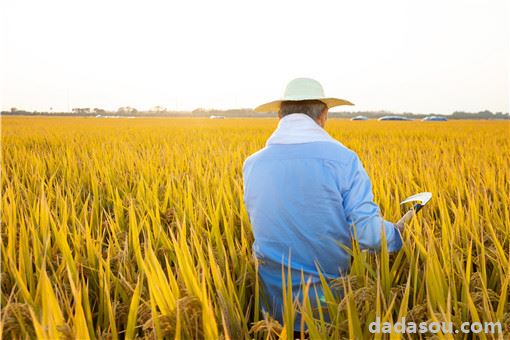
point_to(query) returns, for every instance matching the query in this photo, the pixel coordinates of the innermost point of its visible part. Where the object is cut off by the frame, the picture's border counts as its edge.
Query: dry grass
(136, 228)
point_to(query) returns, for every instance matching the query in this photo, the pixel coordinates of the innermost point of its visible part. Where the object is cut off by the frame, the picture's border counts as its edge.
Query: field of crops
(124, 228)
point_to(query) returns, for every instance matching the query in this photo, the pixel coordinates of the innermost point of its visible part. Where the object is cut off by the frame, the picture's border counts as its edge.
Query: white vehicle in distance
(435, 119)
(394, 118)
(359, 118)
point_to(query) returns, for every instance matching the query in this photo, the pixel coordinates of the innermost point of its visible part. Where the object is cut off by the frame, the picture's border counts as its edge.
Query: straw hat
(302, 89)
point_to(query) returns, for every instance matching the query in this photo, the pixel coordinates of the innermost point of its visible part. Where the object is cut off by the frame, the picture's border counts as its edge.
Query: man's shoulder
(329, 151)
(251, 158)
(337, 151)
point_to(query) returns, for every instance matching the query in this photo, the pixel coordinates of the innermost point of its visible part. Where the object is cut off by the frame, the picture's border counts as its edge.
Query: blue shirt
(306, 194)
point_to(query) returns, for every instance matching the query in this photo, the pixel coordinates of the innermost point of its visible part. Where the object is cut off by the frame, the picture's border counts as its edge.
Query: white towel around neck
(298, 128)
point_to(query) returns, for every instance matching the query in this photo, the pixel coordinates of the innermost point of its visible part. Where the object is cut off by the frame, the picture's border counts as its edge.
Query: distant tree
(199, 111)
(158, 109)
(127, 109)
(486, 113)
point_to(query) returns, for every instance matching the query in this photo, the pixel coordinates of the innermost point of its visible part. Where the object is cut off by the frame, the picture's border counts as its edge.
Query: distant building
(435, 119)
(359, 118)
(394, 118)
(114, 116)
(81, 110)
(216, 117)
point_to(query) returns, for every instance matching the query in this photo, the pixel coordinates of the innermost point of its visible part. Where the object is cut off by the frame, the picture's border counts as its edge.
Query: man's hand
(408, 215)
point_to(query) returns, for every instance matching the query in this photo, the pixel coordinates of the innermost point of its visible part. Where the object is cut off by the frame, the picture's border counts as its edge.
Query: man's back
(303, 199)
(295, 202)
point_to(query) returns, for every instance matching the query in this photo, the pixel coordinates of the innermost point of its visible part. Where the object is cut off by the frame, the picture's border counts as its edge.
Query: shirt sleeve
(364, 215)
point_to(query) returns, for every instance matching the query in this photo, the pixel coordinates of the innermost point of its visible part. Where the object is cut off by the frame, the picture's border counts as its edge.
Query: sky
(434, 56)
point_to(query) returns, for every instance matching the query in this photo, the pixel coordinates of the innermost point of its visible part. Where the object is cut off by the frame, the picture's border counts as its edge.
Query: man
(306, 194)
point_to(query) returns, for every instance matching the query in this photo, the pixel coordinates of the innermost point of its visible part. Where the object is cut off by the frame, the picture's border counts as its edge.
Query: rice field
(136, 228)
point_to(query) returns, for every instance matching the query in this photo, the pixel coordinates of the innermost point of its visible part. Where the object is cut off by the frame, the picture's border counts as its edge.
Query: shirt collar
(299, 128)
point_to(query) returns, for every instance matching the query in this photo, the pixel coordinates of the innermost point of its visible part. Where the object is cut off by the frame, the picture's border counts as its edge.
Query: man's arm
(364, 215)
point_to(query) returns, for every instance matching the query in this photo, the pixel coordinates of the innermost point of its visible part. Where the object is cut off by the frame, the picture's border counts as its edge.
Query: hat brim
(274, 106)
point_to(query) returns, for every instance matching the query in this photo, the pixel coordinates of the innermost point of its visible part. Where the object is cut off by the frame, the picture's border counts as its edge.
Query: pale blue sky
(399, 55)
